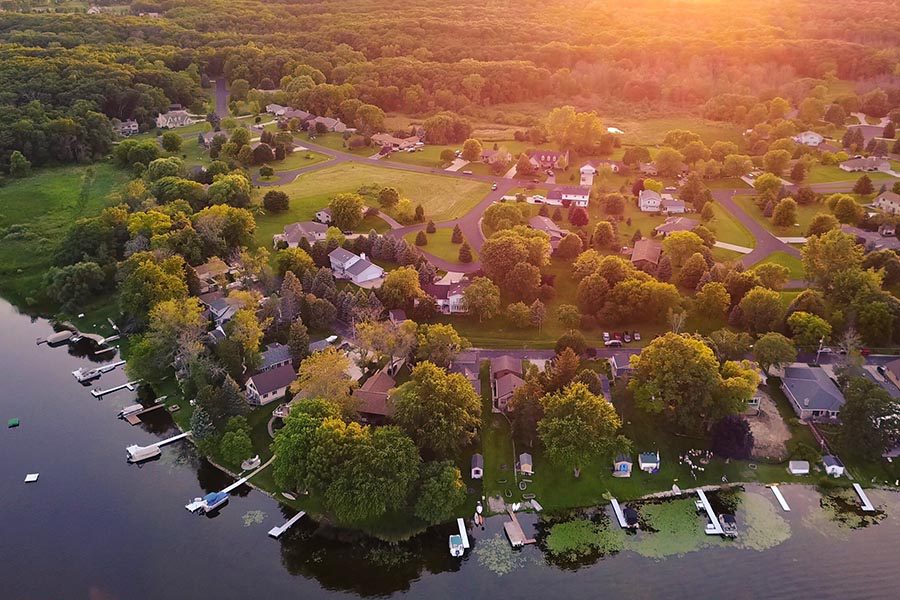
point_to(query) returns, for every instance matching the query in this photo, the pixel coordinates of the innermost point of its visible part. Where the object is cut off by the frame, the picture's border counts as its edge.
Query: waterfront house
(526, 464)
(294, 232)
(833, 465)
(373, 401)
(798, 467)
(812, 392)
(649, 461)
(271, 385)
(358, 269)
(622, 466)
(275, 355)
(477, 466)
(506, 378)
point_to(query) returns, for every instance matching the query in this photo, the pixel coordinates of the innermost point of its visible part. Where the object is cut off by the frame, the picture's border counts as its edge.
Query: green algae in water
(496, 555)
(760, 527)
(253, 517)
(676, 530)
(840, 513)
(581, 538)
(389, 557)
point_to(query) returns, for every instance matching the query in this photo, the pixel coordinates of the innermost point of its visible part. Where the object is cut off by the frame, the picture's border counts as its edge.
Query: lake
(95, 527)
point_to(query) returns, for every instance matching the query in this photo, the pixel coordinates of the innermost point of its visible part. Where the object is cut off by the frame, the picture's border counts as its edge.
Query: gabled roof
(812, 389)
(508, 383)
(830, 460)
(561, 191)
(341, 255)
(373, 397)
(894, 367)
(273, 379)
(650, 195)
(888, 196)
(360, 266)
(214, 267)
(506, 363)
(673, 224)
(547, 225)
(273, 355)
(648, 250)
(293, 232)
(445, 291)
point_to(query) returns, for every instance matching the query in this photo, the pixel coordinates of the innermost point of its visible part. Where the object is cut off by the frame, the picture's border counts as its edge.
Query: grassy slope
(728, 229)
(47, 204)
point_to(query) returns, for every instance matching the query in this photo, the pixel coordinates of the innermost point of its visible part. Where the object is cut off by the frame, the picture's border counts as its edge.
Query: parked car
(493, 186)
(537, 198)
(617, 336)
(881, 369)
(605, 336)
(613, 344)
(467, 172)
(865, 352)
(636, 335)
(626, 337)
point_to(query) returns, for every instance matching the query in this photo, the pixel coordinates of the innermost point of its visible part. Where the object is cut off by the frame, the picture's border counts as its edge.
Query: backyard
(440, 244)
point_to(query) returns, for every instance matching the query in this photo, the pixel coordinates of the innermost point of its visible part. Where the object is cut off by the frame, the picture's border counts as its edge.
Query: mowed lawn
(298, 159)
(728, 229)
(831, 173)
(805, 214)
(35, 214)
(440, 244)
(652, 131)
(442, 197)
(794, 264)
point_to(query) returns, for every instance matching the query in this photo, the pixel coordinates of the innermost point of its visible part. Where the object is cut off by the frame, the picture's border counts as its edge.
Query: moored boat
(130, 410)
(456, 545)
(138, 454)
(214, 500)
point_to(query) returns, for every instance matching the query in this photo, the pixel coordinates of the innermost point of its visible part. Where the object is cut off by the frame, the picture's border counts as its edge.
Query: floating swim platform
(12, 423)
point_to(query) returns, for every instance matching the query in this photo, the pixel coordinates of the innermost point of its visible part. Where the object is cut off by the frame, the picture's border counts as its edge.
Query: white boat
(138, 454)
(456, 545)
(83, 375)
(59, 337)
(130, 410)
(251, 463)
(214, 500)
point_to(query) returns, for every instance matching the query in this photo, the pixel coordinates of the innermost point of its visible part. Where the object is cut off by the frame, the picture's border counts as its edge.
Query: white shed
(477, 466)
(798, 467)
(833, 465)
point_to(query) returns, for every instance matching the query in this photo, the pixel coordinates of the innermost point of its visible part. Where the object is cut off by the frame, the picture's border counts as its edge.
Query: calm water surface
(94, 527)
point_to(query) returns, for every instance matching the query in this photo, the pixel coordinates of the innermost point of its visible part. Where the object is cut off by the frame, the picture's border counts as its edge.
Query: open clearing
(440, 245)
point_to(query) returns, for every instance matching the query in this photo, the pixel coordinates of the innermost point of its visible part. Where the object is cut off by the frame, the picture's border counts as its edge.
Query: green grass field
(442, 197)
(728, 229)
(830, 173)
(805, 214)
(440, 245)
(794, 264)
(299, 159)
(652, 131)
(45, 205)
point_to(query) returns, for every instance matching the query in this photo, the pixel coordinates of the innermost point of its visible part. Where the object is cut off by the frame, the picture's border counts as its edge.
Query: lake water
(94, 527)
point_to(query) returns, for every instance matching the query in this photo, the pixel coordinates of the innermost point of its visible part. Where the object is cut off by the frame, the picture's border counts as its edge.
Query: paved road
(221, 98)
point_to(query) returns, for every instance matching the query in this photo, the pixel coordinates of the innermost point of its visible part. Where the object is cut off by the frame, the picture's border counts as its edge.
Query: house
(450, 298)
(127, 128)
(466, 364)
(812, 392)
(622, 466)
(386, 140)
(276, 109)
(570, 195)
(526, 464)
(397, 315)
(274, 356)
(490, 157)
(328, 123)
(549, 159)
(673, 224)
(293, 113)
(208, 137)
(833, 465)
(221, 310)
(883, 239)
(671, 205)
(477, 466)
(798, 467)
(888, 202)
(175, 118)
(869, 132)
(547, 225)
(809, 138)
(871, 163)
(310, 230)
(358, 269)
(648, 169)
(324, 216)
(646, 253)
(892, 371)
(649, 461)
(211, 274)
(373, 397)
(267, 386)
(650, 201)
(506, 378)
(589, 170)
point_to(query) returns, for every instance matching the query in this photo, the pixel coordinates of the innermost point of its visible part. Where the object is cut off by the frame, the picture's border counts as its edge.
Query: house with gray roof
(275, 355)
(812, 392)
(294, 232)
(358, 269)
(267, 386)
(506, 378)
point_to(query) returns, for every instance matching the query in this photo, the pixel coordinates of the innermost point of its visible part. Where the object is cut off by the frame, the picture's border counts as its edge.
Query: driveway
(221, 98)
(456, 165)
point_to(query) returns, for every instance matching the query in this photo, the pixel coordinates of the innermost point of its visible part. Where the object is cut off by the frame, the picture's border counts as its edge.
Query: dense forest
(61, 73)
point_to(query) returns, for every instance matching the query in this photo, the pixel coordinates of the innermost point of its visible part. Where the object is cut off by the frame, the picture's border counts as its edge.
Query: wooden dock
(463, 533)
(134, 418)
(276, 532)
(619, 514)
(515, 533)
(174, 438)
(714, 527)
(866, 504)
(129, 386)
(780, 498)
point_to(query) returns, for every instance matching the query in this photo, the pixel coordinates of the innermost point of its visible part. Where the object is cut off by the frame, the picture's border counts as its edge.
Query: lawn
(334, 141)
(652, 131)
(728, 229)
(298, 159)
(43, 207)
(830, 173)
(794, 264)
(440, 245)
(805, 214)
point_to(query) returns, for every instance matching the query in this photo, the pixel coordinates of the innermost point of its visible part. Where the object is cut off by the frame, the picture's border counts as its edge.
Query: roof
(623, 458)
(673, 224)
(547, 225)
(547, 155)
(868, 162)
(560, 191)
(341, 255)
(273, 355)
(304, 229)
(373, 395)
(443, 292)
(214, 267)
(893, 367)
(830, 460)
(887, 196)
(525, 458)
(873, 240)
(506, 363)
(509, 383)
(669, 202)
(397, 314)
(477, 461)
(648, 457)
(812, 389)
(274, 379)
(360, 266)
(650, 195)
(324, 211)
(798, 465)
(318, 345)
(649, 250)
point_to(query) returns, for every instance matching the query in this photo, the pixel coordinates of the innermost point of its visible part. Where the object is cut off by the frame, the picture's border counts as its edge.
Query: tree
(776, 161)
(523, 282)
(439, 410)
(732, 438)
(524, 166)
(346, 211)
(772, 275)
(482, 299)
(388, 197)
(712, 300)
(578, 427)
(324, 375)
(691, 271)
(707, 213)
(730, 345)
(569, 247)
(761, 310)
(421, 239)
(863, 186)
(232, 189)
(472, 150)
(170, 141)
(465, 253)
(578, 217)
(695, 192)
(890, 131)
(604, 237)
(298, 340)
(679, 377)
(457, 236)
(868, 418)
(809, 330)
(441, 492)
(635, 155)
(681, 245)
(826, 255)
(401, 287)
(836, 115)
(235, 447)
(19, 166)
(822, 223)
(668, 162)
(568, 315)
(737, 165)
(845, 208)
(798, 171)
(519, 314)
(785, 213)
(503, 215)
(276, 201)
(774, 350)
(538, 314)
(73, 285)
(146, 281)
(439, 343)
(294, 260)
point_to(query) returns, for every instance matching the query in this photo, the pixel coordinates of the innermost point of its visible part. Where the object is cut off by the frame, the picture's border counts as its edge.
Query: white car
(613, 344)
(605, 336)
(537, 198)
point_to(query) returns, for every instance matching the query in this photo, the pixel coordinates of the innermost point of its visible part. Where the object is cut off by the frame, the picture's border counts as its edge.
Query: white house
(359, 270)
(833, 465)
(809, 138)
(574, 195)
(871, 163)
(294, 232)
(649, 461)
(127, 128)
(275, 109)
(175, 118)
(450, 298)
(888, 202)
(267, 386)
(650, 201)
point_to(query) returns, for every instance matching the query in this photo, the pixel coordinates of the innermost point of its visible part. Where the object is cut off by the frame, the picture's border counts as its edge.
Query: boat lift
(141, 453)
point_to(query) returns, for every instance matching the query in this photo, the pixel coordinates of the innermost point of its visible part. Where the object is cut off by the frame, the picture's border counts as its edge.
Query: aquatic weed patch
(253, 517)
(761, 526)
(581, 542)
(670, 528)
(841, 513)
(496, 555)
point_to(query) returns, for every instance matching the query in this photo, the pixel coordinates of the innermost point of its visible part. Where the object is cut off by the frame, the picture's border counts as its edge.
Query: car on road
(537, 198)
(613, 344)
(493, 187)
(636, 335)
(626, 337)
(605, 336)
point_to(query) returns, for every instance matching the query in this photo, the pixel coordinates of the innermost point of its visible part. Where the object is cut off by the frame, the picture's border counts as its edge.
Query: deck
(866, 504)
(515, 533)
(135, 418)
(714, 527)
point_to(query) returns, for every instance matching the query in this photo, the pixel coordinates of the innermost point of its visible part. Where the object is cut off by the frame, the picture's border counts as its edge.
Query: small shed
(477, 466)
(649, 461)
(798, 467)
(833, 465)
(526, 466)
(622, 466)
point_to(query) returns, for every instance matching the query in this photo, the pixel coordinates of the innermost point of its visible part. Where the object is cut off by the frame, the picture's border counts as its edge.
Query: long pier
(130, 386)
(463, 533)
(134, 418)
(866, 504)
(276, 532)
(197, 504)
(780, 498)
(714, 527)
(174, 438)
(619, 514)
